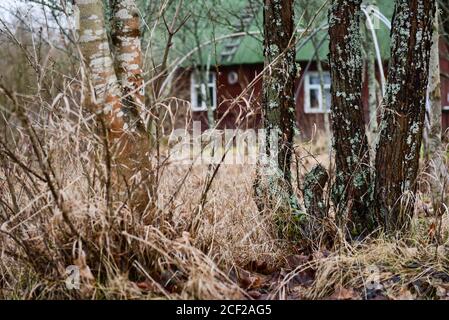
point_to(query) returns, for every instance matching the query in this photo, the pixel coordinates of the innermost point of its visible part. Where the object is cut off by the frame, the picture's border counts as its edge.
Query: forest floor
(222, 249)
(244, 244)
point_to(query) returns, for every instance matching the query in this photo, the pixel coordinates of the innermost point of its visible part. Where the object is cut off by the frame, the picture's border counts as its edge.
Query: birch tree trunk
(120, 98)
(278, 107)
(93, 39)
(401, 129)
(351, 191)
(372, 92)
(128, 57)
(434, 147)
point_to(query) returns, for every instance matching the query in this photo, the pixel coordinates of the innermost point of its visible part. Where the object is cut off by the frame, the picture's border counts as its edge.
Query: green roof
(212, 22)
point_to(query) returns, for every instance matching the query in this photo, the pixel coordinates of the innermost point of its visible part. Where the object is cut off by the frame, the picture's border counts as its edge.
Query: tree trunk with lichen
(351, 191)
(316, 206)
(401, 129)
(273, 185)
(314, 183)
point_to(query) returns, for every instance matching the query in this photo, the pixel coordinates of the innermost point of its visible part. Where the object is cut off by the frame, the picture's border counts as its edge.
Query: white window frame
(194, 85)
(308, 86)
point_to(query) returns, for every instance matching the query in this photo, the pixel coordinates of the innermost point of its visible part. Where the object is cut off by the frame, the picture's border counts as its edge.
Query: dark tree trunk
(351, 191)
(278, 104)
(279, 81)
(314, 183)
(316, 206)
(397, 156)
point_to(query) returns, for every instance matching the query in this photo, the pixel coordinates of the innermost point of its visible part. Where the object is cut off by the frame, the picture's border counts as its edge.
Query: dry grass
(62, 204)
(177, 244)
(183, 247)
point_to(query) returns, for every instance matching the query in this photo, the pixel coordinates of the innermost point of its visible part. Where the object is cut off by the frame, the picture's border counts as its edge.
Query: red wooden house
(237, 61)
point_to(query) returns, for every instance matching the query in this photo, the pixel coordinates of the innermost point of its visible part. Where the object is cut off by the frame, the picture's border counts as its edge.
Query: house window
(313, 97)
(203, 95)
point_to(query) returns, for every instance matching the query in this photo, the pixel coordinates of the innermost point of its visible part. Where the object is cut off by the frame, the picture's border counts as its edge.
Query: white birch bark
(94, 47)
(128, 52)
(437, 169)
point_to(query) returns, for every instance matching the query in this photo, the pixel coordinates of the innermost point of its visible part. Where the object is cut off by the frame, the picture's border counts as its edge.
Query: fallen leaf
(342, 293)
(378, 296)
(258, 266)
(248, 280)
(254, 294)
(405, 294)
(304, 278)
(296, 293)
(146, 286)
(441, 292)
(296, 260)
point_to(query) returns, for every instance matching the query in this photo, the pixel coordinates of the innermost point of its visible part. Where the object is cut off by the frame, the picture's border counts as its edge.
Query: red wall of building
(245, 113)
(444, 60)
